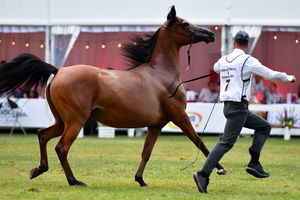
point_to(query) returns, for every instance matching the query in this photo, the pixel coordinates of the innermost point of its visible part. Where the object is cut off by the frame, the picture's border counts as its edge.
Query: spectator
(298, 94)
(259, 90)
(294, 99)
(273, 96)
(254, 100)
(32, 93)
(209, 94)
(191, 95)
(18, 93)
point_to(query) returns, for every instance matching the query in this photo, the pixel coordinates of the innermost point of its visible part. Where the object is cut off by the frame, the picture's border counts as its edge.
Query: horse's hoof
(140, 180)
(81, 183)
(143, 184)
(222, 171)
(34, 173)
(78, 183)
(38, 171)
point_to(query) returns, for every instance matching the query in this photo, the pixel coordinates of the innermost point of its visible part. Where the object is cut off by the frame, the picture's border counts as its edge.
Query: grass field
(108, 167)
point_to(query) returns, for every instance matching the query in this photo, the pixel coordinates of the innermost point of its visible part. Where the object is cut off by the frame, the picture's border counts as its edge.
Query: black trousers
(238, 116)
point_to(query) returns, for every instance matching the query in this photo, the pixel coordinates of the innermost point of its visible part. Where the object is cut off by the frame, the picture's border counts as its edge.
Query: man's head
(212, 86)
(272, 88)
(241, 40)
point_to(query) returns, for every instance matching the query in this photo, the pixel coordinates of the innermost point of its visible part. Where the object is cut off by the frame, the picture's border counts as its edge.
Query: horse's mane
(140, 49)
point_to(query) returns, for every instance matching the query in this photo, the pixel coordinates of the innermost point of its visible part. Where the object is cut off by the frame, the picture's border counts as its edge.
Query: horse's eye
(185, 24)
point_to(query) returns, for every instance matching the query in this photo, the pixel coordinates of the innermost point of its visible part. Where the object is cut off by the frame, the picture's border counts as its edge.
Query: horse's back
(115, 97)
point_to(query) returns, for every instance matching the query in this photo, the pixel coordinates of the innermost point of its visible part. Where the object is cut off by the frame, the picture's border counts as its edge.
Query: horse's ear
(172, 13)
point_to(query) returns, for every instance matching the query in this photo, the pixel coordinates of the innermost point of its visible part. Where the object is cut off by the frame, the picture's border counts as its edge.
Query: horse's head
(185, 32)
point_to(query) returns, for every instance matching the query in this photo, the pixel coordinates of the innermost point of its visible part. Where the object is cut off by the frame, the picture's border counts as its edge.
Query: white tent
(69, 17)
(139, 12)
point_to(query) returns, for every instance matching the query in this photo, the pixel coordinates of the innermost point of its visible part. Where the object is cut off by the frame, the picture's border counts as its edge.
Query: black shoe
(257, 170)
(201, 182)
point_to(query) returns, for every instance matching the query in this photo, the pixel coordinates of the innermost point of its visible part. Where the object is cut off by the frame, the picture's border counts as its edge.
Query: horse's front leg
(151, 137)
(185, 125)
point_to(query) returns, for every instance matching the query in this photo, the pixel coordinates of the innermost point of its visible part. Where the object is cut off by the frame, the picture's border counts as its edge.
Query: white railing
(36, 114)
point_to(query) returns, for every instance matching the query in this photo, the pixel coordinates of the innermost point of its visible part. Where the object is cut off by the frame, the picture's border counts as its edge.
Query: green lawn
(108, 166)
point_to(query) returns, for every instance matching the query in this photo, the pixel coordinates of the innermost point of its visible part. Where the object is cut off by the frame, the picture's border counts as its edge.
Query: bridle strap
(189, 56)
(189, 61)
(190, 46)
(171, 30)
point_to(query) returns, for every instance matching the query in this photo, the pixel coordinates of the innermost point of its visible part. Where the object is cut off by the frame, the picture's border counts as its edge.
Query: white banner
(30, 113)
(199, 113)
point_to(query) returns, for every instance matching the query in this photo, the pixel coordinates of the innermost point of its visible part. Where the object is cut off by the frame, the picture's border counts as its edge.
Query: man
(235, 71)
(209, 94)
(272, 96)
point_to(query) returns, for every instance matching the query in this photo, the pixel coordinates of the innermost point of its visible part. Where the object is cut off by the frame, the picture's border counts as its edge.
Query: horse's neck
(165, 56)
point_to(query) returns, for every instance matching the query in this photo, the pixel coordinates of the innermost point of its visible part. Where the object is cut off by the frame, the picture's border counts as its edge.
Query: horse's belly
(128, 119)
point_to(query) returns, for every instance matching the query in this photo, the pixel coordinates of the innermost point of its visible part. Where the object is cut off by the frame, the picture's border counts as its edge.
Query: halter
(190, 46)
(171, 30)
(188, 65)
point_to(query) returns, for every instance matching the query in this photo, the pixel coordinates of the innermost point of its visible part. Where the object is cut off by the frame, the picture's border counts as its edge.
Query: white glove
(291, 78)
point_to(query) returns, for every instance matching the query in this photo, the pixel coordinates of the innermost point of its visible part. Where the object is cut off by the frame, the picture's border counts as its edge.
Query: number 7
(227, 81)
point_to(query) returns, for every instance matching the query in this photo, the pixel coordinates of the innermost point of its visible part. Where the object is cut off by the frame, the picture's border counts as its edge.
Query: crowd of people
(32, 93)
(261, 94)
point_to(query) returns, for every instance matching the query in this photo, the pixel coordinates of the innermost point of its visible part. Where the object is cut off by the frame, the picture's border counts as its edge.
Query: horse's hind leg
(151, 137)
(62, 148)
(44, 135)
(185, 125)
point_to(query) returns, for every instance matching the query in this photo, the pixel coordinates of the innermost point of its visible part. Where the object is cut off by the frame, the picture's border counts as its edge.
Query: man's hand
(291, 78)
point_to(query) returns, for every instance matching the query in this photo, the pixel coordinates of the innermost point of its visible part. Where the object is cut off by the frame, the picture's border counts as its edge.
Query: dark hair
(274, 84)
(140, 50)
(242, 38)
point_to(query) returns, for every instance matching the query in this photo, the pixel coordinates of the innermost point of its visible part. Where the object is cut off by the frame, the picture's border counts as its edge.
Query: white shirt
(237, 67)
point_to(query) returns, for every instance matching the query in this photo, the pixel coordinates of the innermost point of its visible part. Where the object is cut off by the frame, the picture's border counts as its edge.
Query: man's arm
(257, 68)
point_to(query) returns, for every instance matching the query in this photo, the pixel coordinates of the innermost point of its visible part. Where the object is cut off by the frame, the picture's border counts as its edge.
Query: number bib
(232, 83)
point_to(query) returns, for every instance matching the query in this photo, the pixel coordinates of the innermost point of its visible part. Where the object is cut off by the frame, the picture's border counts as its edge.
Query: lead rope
(194, 79)
(198, 152)
(187, 68)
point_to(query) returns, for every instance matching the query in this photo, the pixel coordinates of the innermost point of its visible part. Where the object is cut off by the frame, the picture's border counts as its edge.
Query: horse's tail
(24, 72)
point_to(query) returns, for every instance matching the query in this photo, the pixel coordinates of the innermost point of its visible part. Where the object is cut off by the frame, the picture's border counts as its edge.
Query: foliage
(108, 167)
(288, 118)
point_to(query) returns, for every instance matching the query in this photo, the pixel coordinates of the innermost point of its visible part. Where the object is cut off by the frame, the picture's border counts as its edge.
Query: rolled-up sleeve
(257, 68)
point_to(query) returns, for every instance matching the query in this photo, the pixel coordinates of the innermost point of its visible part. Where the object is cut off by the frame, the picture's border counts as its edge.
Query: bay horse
(138, 97)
